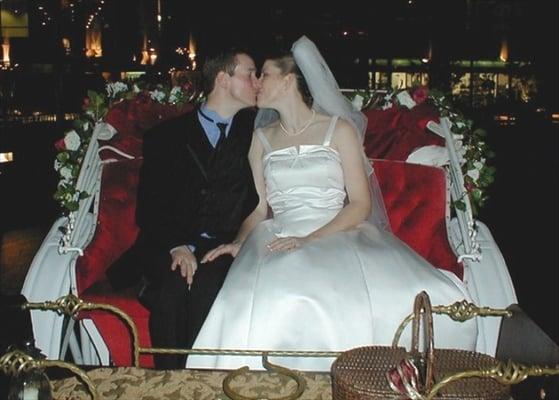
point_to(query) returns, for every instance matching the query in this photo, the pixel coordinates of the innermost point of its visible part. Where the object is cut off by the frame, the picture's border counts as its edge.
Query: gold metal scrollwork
(71, 305)
(299, 379)
(462, 311)
(459, 311)
(17, 362)
(68, 305)
(509, 373)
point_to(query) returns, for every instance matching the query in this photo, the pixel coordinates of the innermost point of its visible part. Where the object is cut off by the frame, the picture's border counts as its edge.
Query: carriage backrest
(416, 196)
(116, 228)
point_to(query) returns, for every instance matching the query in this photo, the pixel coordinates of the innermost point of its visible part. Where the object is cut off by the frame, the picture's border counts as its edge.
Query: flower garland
(72, 147)
(469, 141)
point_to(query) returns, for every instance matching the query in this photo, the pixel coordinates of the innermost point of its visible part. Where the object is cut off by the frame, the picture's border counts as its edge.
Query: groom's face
(244, 83)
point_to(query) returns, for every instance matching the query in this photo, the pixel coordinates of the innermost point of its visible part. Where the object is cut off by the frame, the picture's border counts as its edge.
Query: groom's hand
(185, 261)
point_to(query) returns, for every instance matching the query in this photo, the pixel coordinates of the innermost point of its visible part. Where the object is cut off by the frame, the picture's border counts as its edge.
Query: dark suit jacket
(170, 190)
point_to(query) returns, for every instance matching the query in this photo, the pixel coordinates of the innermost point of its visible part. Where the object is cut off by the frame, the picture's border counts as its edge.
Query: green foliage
(95, 107)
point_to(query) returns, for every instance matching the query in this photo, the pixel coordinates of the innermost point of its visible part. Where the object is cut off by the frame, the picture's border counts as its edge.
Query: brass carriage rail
(71, 306)
(459, 311)
(509, 373)
(16, 362)
(233, 352)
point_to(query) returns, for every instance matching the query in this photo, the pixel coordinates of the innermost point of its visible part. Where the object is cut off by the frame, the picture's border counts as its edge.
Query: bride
(325, 272)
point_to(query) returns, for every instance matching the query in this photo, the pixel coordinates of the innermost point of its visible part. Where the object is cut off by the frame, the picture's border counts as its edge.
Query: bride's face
(272, 83)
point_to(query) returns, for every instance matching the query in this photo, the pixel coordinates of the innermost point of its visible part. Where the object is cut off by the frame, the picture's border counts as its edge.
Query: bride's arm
(259, 214)
(357, 186)
(255, 154)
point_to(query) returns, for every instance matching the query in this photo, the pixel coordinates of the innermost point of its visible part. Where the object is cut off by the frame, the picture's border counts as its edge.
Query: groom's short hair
(225, 61)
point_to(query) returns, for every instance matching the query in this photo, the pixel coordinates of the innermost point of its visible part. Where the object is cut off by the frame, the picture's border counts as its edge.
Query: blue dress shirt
(208, 119)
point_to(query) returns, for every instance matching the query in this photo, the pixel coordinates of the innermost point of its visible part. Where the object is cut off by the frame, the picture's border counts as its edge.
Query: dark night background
(522, 211)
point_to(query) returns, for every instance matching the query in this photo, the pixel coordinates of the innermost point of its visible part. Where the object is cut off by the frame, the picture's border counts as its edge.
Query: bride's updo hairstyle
(287, 65)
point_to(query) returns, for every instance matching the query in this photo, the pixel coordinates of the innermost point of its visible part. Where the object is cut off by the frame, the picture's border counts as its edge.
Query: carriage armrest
(417, 202)
(116, 228)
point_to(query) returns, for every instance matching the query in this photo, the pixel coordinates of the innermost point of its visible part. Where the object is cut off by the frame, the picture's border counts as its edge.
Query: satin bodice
(304, 188)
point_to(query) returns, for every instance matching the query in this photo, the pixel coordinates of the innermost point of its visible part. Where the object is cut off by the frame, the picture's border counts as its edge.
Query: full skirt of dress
(339, 292)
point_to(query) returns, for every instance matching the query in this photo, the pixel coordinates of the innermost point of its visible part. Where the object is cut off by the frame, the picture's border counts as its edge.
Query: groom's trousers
(177, 313)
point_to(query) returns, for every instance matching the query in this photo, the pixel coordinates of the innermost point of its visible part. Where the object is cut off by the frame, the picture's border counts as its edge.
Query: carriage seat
(416, 199)
(116, 229)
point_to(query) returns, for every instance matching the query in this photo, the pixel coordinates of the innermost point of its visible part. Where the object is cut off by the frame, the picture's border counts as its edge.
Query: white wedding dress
(345, 290)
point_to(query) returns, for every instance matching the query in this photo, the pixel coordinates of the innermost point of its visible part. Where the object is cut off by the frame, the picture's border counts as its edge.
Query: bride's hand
(286, 243)
(229, 248)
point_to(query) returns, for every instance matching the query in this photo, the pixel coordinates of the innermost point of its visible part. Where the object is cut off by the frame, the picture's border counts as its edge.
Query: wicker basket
(361, 373)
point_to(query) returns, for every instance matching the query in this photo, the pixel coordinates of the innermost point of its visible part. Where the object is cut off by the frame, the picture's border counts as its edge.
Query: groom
(195, 189)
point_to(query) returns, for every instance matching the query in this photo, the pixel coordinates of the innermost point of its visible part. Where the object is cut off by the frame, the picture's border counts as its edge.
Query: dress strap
(330, 131)
(263, 140)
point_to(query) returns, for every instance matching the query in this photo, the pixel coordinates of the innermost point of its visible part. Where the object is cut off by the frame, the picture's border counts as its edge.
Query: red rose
(60, 145)
(420, 94)
(85, 103)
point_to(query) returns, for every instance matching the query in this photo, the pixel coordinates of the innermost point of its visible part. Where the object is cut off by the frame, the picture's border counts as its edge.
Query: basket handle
(422, 302)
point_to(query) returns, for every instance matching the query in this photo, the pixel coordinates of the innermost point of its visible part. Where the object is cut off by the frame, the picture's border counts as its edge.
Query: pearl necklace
(307, 124)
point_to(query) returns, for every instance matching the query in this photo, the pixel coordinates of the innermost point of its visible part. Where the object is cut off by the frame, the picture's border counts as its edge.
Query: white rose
(474, 174)
(357, 102)
(57, 165)
(478, 165)
(114, 88)
(66, 173)
(120, 87)
(457, 137)
(63, 182)
(157, 95)
(460, 151)
(174, 95)
(405, 99)
(72, 141)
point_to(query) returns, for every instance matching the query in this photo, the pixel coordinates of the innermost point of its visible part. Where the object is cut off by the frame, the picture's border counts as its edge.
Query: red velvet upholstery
(415, 198)
(116, 232)
(393, 134)
(116, 228)
(114, 332)
(132, 118)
